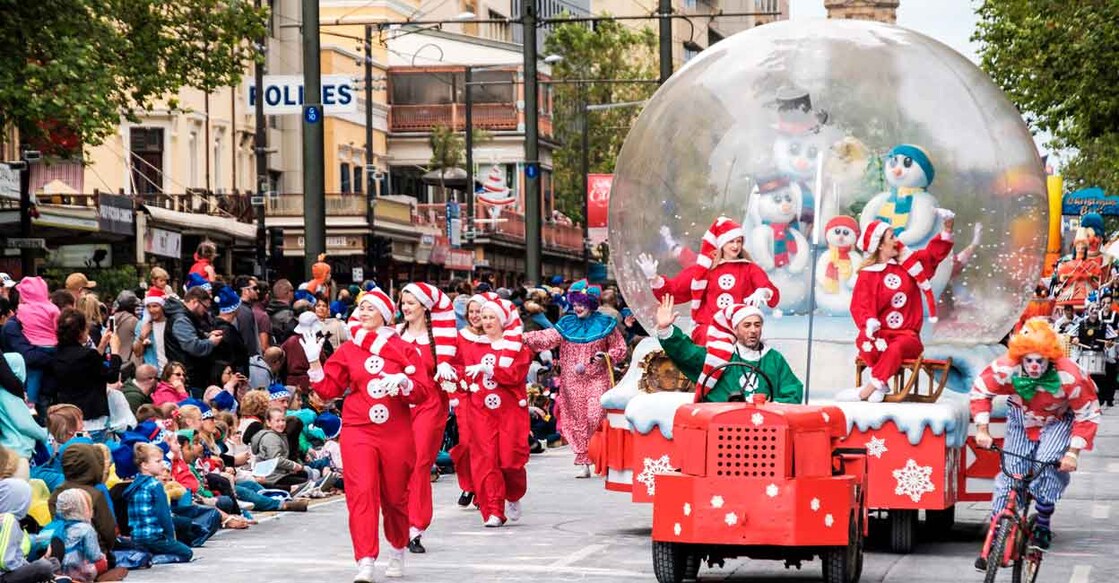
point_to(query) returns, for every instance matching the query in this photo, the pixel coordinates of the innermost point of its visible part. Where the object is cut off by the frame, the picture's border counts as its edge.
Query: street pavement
(575, 530)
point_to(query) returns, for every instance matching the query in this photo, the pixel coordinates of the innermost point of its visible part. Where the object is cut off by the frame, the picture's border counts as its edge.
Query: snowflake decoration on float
(757, 419)
(913, 480)
(676, 529)
(771, 490)
(828, 520)
(814, 504)
(653, 467)
(687, 509)
(731, 519)
(876, 447)
(716, 501)
(827, 418)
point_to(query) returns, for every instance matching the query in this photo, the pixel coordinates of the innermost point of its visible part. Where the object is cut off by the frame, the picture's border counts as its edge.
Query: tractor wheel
(692, 563)
(845, 564)
(940, 521)
(669, 561)
(903, 530)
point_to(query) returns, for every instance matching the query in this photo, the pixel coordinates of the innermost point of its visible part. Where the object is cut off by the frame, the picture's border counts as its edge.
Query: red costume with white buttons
(886, 302)
(710, 289)
(460, 453)
(376, 440)
(499, 424)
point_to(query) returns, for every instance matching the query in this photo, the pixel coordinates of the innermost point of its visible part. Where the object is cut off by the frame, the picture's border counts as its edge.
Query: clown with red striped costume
(723, 275)
(429, 325)
(494, 365)
(378, 373)
(886, 303)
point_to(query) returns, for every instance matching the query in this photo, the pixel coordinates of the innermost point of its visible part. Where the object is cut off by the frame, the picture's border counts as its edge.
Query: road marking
(1101, 511)
(457, 567)
(578, 555)
(1080, 574)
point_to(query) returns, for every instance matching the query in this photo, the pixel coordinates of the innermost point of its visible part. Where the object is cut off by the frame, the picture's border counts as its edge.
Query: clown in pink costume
(583, 337)
(723, 275)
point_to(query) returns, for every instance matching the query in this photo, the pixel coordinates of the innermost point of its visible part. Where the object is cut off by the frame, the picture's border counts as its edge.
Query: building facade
(878, 10)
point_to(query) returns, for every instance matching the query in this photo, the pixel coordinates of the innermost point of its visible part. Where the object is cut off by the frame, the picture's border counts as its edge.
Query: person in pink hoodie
(31, 333)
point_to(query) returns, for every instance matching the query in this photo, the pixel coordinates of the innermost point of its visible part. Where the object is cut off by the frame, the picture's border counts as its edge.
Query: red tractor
(764, 481)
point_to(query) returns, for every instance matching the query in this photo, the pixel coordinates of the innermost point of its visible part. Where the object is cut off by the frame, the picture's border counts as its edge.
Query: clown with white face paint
(1052, 416)
(377, 370)
(493, 366)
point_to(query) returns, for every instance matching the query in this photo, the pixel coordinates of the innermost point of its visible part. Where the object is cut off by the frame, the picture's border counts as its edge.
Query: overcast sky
(948, 21)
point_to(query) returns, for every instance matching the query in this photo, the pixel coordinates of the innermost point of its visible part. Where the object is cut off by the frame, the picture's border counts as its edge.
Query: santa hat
(329, 423)
(843, 221)
(194, 280)
(484, 297)
(379, 300)
(720, 342)
(918, 155)
(512, 339)
(203, 408)
(442, 312)
(872, 238)
(155, 295)
(276, 391)
(227, 300)
(721, 232)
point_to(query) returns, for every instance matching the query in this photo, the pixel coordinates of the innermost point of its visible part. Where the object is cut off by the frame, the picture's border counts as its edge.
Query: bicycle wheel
(1028, 563)
(998, 548)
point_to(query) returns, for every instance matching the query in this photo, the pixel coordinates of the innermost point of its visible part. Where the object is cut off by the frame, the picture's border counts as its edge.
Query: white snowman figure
(907, 205)
(775, 243)
(798, 146)
(838, 267)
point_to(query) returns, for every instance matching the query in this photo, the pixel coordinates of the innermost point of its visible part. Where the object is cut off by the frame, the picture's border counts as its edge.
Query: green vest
(689, 358)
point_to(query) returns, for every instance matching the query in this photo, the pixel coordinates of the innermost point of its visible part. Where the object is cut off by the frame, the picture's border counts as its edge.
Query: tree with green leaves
(1058, 61)
(608, 50)
(71, 68)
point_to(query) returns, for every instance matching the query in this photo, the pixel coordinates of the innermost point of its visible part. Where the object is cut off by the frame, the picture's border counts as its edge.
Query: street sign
(256, 200)
(283, 94)
(358, 274)
(532, 170)
(26, 243)
(312, 114)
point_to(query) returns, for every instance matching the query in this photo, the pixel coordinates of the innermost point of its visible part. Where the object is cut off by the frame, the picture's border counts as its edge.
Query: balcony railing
(344, 205)
(422, 118)
(236, 206)
(511, 226)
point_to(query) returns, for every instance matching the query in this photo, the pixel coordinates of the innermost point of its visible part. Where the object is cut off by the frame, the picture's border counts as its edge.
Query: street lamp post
(532, 145)
(468, 142)
(584, 129)
(260, 146)
(27, 255)
(314, 197)
(370, 169)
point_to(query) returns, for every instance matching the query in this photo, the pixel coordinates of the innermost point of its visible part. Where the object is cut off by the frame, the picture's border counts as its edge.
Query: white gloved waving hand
(647, 265)
(312, 346)
(474, 370)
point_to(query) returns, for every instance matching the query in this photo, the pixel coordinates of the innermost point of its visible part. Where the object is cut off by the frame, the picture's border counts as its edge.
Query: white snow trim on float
(618, 397)
(948, 416)
(647, 411)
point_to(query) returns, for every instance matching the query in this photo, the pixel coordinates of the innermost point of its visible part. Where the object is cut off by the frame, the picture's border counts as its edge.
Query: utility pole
(584, 129)
(260, 148)
(370, 169)
(468, 141)
(664, 11)
(26, 254)
(532, 145)
(314, 203)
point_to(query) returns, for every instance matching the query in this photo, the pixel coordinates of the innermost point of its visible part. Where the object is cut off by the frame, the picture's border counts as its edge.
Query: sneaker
(395, 568)
(513, 510)
(246, 505)
(326, 484)
(980, 564)
(1042, 537)
(416, 547)
(493, 522)
(584, 471)
(365, 571)
(465, 499)
(303, 490)
(536, 447)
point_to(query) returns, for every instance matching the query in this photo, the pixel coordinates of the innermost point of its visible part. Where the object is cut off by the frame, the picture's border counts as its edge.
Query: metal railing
(236, 205)
(423, 118)
(510, 226)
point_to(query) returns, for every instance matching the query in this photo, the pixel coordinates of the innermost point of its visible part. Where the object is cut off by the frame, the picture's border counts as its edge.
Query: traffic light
(381, 251)
(275, 246)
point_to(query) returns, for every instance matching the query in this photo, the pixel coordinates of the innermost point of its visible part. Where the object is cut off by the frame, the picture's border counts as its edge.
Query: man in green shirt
(734, 336)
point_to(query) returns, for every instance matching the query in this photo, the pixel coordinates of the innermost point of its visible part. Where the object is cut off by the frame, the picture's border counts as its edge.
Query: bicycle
(1010, 537)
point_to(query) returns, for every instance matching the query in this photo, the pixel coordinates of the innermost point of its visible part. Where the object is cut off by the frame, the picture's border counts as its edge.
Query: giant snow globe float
(804, 132)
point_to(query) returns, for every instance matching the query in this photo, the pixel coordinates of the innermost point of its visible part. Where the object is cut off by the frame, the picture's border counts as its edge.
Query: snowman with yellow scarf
(907, 206)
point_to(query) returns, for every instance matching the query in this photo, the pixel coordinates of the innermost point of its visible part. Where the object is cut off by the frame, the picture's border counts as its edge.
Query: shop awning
(203, 224)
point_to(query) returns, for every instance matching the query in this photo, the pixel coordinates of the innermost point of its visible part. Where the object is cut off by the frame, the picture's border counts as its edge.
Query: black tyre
(940, 522)
(998, 548)
(669, 562)
(1028, 564)
(691, 566)
(845, 564)
(903, 530)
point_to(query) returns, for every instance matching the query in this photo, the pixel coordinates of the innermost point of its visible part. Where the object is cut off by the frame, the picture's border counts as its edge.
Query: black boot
(465, 499)
(415, 546)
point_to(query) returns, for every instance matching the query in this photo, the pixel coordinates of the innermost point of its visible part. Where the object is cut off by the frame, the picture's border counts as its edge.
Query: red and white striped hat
(512, 339)
(379, 300)
(442, 318)
(872, 238)
(155, 295)
(721, 232)
(721, 340)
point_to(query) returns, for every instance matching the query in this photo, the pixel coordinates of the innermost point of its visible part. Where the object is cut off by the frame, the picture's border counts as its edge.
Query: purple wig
(581, 292)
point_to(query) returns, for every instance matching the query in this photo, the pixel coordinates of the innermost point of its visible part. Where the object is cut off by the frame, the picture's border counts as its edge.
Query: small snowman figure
(907, 206)
(837, 270)
(777, 245)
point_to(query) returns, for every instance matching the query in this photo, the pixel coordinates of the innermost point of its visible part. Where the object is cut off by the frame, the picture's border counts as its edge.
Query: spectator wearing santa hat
(723, 275)
(494, 366)
(429, 325)
(886, 302)
(380, 371)
(150, 345)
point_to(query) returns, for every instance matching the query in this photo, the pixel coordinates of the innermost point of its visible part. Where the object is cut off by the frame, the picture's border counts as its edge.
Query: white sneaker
(365, 571)
(584, 471)
(492, 522)
(395, 568)
(877, 396)
(848, 395)
(513, 511)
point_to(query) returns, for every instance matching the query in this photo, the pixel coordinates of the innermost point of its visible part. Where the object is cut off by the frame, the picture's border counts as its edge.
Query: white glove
(945, 214)
(976, 233)
(312, 346)
(474, 370)
(647, 265)
(872, 327)
(445, 372)
(760, 296)
(395, 383)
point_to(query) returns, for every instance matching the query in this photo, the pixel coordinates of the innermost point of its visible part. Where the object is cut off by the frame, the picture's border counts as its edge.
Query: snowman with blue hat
(907, 206)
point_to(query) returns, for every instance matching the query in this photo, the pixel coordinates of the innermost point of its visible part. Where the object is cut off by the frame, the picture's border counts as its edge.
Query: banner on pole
(598, 206)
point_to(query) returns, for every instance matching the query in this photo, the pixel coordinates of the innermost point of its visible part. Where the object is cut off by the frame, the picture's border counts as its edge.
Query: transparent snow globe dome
(813, 108)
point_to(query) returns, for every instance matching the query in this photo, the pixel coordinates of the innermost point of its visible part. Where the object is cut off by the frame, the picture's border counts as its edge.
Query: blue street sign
(532, 170)
(312, 113)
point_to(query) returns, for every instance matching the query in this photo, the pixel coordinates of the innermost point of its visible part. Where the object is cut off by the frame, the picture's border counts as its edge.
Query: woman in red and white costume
(378, 370)
(494, 367)
(429, 325)
(460, 453)
(723, 275)
(886, 302)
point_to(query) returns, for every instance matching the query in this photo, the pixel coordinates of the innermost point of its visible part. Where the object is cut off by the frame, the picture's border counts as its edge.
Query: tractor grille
(747, 451)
